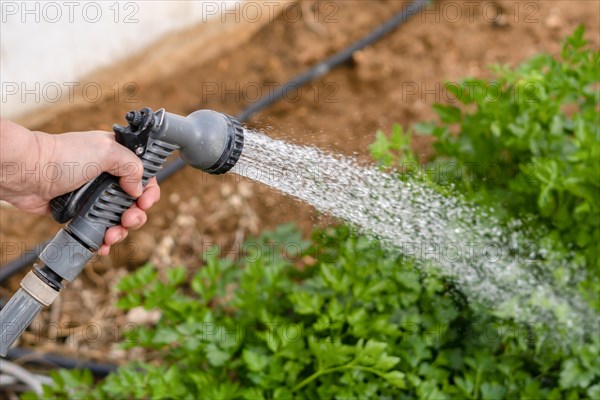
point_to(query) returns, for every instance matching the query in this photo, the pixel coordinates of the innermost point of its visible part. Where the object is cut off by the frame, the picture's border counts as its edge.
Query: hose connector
(38, 290)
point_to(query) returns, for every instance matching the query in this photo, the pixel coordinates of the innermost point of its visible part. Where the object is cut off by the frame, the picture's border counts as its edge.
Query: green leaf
(398, 139)
(492, 391)
(429, 390)
(573, 375)
(282, 394)
(424, 128)
(546, 201)
(448, 114)
(254, 360)
(457, 91)
(176, 275)
(396, 378)
(216, 356)
(305, 303)
(371, 353)
(166, 336)
(385, 362)
(254, 393)
(380, 148)
(593, 392)
(409, 280)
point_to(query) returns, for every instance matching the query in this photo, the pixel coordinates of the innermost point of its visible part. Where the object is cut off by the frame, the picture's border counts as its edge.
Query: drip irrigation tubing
(318, 70)
(23, 261)
(337, 59)
(55, 360)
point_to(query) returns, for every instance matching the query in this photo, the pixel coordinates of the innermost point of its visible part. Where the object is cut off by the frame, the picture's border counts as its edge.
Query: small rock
(245, 190)
(553, 21)
(185, 220)
(194, 202)
(138, 247)
(235, 200)
(5, 204)
(116, 353)
(141, 316)
(174, 198)
(226, 190)
(223, 64)
(500, 21)
(358, 56)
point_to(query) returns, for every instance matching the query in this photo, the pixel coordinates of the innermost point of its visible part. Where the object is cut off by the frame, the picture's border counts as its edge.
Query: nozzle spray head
(215, 143)
(207, 140)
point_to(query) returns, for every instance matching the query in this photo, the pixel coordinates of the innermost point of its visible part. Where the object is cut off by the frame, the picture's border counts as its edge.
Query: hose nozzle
(207, 140)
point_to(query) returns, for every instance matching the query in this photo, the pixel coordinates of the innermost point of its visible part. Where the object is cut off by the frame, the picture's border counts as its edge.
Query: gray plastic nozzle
(207, 140)
(15, 317)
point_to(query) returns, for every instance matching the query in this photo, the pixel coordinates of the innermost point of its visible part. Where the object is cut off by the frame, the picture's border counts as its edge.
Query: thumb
(123, 163)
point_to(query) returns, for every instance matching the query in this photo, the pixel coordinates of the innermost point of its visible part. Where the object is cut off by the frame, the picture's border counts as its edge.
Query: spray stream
(495, 267)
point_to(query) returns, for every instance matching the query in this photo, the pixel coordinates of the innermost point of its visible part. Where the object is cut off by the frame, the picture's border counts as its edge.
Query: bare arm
(35, 167)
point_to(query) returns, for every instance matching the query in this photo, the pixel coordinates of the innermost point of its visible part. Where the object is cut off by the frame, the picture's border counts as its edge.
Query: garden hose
(18, 264)
(27, 356)
(207, 140)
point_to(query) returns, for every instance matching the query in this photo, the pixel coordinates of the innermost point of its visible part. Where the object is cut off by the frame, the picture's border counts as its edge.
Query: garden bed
(394, 81)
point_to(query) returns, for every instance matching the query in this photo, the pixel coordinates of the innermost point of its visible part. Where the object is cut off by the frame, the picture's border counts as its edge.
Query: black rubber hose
(54, 360)
(335, 60)
(313, 73)
(18, 264)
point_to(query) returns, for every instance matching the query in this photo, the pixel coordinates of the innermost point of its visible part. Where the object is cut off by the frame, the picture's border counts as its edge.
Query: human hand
(37, 167)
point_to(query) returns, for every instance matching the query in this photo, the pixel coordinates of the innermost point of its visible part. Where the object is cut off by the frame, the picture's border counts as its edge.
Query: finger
(115, 234)
(122, 162)
(150, 196)
(130, 186)
(133, 218)
(104, 250)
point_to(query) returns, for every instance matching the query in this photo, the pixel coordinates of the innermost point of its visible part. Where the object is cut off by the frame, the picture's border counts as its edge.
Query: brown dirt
(340, 113)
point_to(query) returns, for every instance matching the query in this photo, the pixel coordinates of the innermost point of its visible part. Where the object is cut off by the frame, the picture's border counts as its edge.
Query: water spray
(207, 140)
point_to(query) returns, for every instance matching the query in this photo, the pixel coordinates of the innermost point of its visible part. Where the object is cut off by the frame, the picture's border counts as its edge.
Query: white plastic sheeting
(47, 46)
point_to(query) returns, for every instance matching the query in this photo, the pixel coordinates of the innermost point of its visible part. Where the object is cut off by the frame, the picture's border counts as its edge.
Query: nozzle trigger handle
(135, 137)
(66, 206)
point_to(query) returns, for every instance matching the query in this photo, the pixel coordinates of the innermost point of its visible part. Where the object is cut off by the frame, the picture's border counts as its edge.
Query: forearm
(35, 167)
(20, 154)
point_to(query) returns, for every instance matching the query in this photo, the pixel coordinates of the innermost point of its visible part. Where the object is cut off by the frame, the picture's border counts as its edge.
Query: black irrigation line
(313, 73)
(21, 262)
(32, 357)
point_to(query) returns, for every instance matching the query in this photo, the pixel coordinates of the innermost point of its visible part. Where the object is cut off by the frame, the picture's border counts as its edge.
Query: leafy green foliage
(387, 150)
(528, 144)
(342, 319)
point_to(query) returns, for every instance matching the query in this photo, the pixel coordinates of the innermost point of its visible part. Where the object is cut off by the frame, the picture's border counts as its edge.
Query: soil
(394, 81)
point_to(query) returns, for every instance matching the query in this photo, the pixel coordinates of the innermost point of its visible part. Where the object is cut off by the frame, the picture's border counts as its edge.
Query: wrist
(23, 154)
